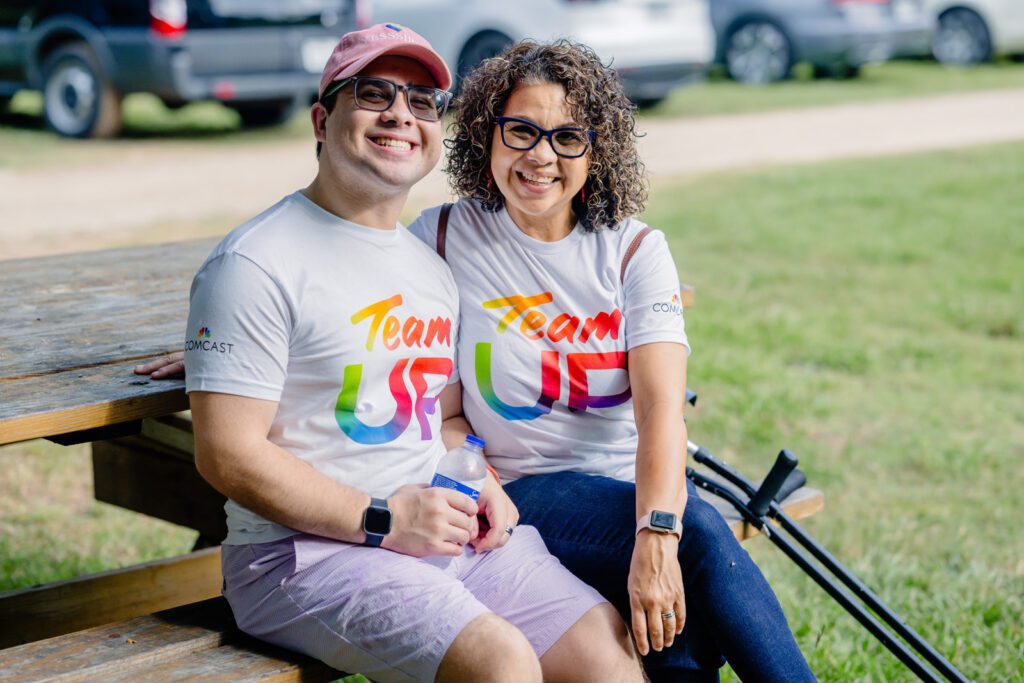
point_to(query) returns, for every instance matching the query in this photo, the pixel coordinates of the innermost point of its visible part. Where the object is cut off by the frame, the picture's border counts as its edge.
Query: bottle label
(446, 483)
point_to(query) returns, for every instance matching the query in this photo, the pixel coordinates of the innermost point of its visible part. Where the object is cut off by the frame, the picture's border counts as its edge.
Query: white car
(972, 31)
(654, 45)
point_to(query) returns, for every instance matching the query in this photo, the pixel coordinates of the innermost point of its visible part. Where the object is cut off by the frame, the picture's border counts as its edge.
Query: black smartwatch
(376, 522)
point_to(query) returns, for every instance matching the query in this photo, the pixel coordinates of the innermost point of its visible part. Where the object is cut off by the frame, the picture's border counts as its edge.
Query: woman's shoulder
(630, 233)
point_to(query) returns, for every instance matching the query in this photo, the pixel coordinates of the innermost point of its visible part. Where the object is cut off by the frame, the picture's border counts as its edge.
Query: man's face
(387, 151)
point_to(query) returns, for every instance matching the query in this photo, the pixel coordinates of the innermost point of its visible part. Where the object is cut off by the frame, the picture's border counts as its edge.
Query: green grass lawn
(868, 315)
(24, 143)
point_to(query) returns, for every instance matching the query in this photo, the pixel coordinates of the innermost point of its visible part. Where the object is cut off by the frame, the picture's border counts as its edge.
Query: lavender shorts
(389, 616)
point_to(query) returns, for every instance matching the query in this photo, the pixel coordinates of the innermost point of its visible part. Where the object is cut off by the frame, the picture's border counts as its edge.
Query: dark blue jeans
(589, 523)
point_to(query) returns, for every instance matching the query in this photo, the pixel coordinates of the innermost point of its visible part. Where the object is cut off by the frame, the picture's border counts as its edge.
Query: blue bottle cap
(474, 441)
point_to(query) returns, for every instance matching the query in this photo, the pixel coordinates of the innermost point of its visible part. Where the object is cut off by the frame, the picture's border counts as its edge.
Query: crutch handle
(785, 463)
(795, 480)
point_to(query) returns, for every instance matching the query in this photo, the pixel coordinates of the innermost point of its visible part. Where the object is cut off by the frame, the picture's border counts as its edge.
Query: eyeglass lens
(567, 142)
(377, 94)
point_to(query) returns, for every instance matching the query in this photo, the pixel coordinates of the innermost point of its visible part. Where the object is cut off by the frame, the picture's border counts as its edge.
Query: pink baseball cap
(357, 49)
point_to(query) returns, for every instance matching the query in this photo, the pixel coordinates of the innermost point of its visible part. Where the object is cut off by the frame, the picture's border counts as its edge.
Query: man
(318, 404)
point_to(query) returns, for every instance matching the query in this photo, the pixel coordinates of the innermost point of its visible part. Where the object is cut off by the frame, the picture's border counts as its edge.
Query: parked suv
(259, 57)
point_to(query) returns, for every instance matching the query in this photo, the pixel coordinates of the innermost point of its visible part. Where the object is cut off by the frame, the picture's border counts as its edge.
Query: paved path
(70, 209)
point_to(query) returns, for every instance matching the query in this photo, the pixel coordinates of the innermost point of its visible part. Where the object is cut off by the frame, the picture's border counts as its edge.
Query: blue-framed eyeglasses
(569, 142)
(378, 94)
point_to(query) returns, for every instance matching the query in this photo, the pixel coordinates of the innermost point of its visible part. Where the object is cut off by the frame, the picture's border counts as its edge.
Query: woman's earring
(583, 195)
(490, 180)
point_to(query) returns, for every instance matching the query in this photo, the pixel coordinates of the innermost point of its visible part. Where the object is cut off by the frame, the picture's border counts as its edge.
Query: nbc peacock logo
(204, 333)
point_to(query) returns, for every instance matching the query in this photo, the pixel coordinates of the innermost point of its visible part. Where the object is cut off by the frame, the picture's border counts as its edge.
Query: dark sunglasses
(570, 142)
(378, 94)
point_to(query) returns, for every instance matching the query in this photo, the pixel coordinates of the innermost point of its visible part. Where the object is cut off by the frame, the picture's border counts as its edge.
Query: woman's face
(537, 184)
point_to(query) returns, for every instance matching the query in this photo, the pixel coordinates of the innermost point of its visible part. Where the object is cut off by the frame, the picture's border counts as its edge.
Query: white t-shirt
(546, 327)
(351, 329)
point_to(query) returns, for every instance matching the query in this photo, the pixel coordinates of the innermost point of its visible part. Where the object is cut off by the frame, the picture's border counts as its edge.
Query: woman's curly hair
(615, 188)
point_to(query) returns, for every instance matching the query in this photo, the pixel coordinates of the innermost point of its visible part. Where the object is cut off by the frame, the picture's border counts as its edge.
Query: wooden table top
(72, 328)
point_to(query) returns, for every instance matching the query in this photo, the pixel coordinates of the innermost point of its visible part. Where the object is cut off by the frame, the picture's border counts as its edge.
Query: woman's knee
(704, 525)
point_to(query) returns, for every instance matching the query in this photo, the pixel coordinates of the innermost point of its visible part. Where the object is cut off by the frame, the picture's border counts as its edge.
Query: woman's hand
(171, 365)
(499, 512)
(656, 588)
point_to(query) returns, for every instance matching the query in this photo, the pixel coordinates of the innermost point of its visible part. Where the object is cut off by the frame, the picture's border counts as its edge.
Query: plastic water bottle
(463, 468)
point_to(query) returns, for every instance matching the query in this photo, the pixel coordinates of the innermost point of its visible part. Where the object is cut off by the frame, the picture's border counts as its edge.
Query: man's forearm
(278, 486)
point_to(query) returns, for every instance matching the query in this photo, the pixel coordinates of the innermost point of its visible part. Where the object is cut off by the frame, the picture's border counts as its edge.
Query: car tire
(837, 72)
(478, 48)
(78, 98)
(962, 38)
(758, 51)
(264, 114)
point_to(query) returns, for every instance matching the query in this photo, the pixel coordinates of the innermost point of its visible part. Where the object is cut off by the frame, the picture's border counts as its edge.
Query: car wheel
(480, 47)
(262, 114)
(78, 100)
(961, 38)
(758, 52)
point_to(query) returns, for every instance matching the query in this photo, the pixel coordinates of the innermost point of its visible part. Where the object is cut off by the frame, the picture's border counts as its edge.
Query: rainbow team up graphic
(559, 330)
(392, 334)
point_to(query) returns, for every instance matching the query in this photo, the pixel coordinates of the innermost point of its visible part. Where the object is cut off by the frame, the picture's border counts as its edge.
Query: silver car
(760, 40)
(654, 45)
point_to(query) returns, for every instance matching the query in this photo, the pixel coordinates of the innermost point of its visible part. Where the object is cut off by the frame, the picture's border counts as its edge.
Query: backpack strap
(633, 246)
(442, 228)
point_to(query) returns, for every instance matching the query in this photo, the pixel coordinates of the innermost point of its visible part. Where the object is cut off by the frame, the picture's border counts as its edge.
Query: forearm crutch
(761, 506)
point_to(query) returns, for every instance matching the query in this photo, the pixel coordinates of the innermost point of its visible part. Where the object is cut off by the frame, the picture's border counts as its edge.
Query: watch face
(663, 520)
(377, 520)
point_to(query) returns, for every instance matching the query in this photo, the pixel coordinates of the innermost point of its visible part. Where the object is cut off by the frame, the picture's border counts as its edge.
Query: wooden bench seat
(197, 642)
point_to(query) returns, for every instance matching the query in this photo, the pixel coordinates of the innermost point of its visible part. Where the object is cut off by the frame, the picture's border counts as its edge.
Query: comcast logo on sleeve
(204, 342)
(673, 306)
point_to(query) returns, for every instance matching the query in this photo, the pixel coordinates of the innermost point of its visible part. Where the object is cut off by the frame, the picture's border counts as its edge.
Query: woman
(573, 359)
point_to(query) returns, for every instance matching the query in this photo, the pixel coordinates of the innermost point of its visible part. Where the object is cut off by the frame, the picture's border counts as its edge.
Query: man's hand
(499, 512)
(655, 588)
(171, 365)
(430, 521)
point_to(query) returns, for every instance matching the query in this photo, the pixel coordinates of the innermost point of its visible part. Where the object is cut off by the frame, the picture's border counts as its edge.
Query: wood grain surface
(74, 326)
